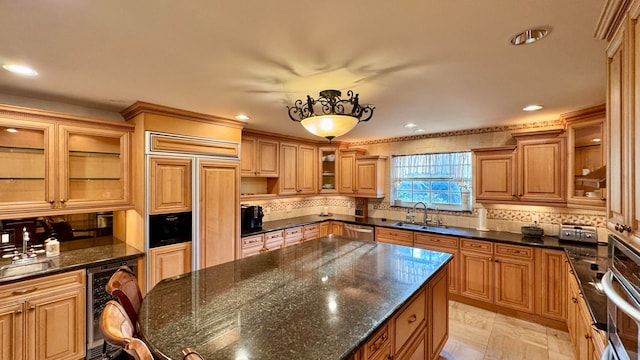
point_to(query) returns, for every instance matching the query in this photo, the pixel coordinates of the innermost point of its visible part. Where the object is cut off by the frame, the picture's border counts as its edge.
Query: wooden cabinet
(50, 164)
(259, 157)
(437, 314)
(252, 245)
(325, 228)
(410, 320)
(219, 199)
(553, 290)
(534, 173)
(336, 228)
(347, 170)
(168, 261)
(44, 318)
(310, 232)
(476, 269)
(293, 236)
(298, 169)
(273, 240)
(495, 174)
(378, 344)
(446, 244)
(370, 175)
(393, 236)
(169, 184)
(542, 169)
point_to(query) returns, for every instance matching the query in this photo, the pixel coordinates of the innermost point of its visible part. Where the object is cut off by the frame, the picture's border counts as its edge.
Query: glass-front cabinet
(50, 165)
(26, 165)
(587, 171)
(93, 166)
(328, 183)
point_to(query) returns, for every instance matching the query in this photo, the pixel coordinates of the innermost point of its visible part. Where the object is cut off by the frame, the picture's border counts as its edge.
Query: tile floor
(476, 333)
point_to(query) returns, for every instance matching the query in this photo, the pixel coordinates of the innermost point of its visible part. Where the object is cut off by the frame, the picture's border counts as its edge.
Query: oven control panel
(582, 233)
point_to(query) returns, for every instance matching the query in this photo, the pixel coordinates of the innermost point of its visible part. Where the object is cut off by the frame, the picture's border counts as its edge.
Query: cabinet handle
(519, 195)
(475, 245)
(52, 201)
(379, 343)
(62, 201)
(574, 300)
(587, 336)
(19, 311)
(497, 260)
(32, 307)
(412, 318)
(263, 250)
(490, 259)
(25, 291)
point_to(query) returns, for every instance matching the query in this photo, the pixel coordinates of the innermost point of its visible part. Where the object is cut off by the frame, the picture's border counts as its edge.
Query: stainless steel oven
(97, 297)
(621, 283)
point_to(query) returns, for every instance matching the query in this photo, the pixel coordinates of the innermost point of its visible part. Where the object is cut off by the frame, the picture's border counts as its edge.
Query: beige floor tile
(521, 330)
(559, 343)
(505, 347)
(460, 350)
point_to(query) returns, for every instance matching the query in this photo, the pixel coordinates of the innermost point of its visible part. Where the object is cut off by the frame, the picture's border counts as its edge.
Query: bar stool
(123, 284)
(190, 354)
(117, 329)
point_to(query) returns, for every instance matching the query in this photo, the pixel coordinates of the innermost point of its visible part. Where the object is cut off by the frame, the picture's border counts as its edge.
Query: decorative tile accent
(513, 127)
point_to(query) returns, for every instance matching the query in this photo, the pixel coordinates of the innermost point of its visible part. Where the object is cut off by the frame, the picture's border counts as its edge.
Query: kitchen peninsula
(329, 298)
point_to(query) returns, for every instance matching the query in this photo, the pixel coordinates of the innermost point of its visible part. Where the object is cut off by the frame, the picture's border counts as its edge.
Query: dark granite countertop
(320, 299)
(79, 254)
(581, 255)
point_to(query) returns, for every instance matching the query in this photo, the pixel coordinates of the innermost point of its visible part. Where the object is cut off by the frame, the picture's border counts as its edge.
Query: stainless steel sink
(25, 268)
(414, 226)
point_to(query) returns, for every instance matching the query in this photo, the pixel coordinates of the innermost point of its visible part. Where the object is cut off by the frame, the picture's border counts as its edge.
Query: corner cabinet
(370, 171)
(51, 163)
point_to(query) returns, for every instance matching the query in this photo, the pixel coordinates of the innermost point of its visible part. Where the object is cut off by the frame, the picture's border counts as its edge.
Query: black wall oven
(621, 283)
(169, 229)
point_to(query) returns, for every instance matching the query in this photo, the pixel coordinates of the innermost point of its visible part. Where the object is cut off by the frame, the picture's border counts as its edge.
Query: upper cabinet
(535, 172)
(347, 170)
(586, 145)
(169, 184)
(298, 169)
(328, 170)
(259, 157)
(51, 163)
(370, 177)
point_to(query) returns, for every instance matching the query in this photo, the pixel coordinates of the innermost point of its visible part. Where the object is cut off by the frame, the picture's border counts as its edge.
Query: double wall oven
(621, 283)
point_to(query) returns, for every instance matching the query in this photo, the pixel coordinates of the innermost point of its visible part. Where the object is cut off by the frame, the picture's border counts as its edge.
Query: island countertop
(320, 299)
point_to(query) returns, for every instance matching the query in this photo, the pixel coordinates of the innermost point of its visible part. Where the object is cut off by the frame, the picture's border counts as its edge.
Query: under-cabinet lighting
(596, 140)
(11, 130)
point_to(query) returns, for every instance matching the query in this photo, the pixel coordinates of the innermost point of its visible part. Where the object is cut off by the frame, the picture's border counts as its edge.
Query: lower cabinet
(336, 228)
(168, 261)
(310, 232)
(553, 290)
(251, 245)
(292, 236)
(446, 244)
(273, 240)
(393, 236)
(44, 318)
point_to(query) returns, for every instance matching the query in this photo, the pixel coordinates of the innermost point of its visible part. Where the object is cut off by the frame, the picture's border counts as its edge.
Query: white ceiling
(445, 65)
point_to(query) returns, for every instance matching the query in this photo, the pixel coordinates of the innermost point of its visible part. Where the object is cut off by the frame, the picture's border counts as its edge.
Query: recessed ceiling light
(20, 69)
(596, 140)
(12, 130)
(410, 125)
(529, 36)
(420, 131)
(532, 108)
(242, 117)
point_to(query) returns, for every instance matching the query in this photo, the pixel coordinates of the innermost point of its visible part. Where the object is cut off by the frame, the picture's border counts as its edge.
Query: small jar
(52, 247)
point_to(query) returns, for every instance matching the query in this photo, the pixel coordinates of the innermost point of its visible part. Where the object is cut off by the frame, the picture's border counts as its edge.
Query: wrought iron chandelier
(332, 120)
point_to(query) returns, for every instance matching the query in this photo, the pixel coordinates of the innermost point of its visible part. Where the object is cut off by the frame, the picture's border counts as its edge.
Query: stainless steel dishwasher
(359, 232)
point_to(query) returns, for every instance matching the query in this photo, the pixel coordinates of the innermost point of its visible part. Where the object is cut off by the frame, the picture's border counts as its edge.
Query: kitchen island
(329, 298)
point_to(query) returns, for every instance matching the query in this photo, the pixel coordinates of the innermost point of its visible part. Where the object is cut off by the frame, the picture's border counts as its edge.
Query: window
(440, 180)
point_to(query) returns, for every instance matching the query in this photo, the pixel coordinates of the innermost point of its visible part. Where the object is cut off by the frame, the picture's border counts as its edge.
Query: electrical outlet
(535, 218)
(5, 239)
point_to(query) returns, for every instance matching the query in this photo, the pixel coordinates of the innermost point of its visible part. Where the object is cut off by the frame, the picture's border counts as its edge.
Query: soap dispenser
(52, 245)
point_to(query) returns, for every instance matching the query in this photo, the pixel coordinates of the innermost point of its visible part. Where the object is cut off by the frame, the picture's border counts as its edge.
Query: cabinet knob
(574, 300)
(51, 201)
(62, 201)
(19, 311)
(412, 318)
(32, 307)
(520, 195)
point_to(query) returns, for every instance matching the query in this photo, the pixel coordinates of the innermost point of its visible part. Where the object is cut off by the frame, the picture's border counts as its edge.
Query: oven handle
(622, 304)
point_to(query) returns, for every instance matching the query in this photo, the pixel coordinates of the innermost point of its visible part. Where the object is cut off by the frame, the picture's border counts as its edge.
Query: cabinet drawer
(440, 241)
(252, 241)
(43, 285)
(293, 235)
(377, 342)
(274, 236)
(402, 237)
(409, 320)
(477, 246)
(514, 251)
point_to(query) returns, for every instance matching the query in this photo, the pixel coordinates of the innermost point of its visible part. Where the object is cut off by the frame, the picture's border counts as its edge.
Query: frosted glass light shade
(329, 126)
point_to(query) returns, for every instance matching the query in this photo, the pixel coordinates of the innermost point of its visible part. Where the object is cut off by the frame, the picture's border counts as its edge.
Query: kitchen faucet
(426, 219)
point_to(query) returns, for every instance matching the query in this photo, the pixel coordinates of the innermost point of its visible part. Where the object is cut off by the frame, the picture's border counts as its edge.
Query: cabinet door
(248, 156)
(94, 166)
(219, 212)
(616, 182)
(252, 245)
(288, 169)
(476, 275)
(438, 314)
(170, 185)
(11, 332)
(56, 325)
(514, 282)
(366, 182)
(307, 170)
(27, 180)
(632, 131)
(542, 170)
(267, 158)
(584, 345)
(554, 287)
(495, 175)
(336, 228)
(346, 168)
(325, 228)
(168, 261)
